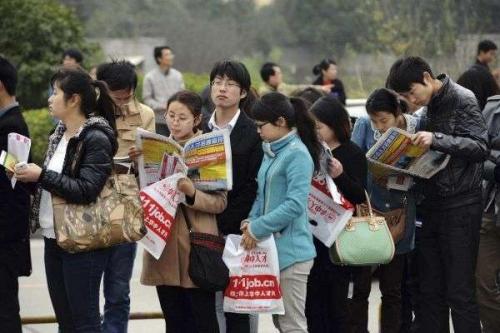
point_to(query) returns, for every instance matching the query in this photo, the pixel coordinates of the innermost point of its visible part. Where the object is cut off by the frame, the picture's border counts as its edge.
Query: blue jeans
(74, 281)
(117, 275)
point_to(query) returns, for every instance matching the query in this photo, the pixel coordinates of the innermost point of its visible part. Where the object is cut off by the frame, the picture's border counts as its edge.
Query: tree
(34, 36)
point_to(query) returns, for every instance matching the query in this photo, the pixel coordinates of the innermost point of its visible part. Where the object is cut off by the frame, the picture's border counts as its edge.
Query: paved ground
(35, 301)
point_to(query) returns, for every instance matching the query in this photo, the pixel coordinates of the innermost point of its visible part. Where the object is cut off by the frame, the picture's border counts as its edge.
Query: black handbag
(206, 268)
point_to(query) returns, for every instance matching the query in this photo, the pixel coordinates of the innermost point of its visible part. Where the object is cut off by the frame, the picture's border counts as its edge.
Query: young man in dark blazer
(14, 208)
(230, 83)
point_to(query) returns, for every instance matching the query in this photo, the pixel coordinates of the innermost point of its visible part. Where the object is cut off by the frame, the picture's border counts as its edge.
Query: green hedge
(40, 125)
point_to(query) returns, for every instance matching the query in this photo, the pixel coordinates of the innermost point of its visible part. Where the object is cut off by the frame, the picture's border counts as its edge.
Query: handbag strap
(370, 209)
(186, 218)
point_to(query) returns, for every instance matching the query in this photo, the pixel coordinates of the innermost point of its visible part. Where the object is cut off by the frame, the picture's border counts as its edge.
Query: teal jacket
(281, 206)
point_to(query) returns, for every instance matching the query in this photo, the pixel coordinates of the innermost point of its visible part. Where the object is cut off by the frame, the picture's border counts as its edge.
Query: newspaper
(394, 154)
(328, 210)
(205, 159)
(18, 147)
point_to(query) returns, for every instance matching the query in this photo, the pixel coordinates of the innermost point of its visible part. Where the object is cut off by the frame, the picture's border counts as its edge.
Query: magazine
(394, 154)
(205, 159)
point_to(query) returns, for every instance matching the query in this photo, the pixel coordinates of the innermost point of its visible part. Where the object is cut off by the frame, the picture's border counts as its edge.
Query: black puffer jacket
(459, 128)
(87, 165)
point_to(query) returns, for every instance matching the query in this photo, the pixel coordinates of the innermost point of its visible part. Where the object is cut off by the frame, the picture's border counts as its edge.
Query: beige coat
(172, 267)
(134, 115)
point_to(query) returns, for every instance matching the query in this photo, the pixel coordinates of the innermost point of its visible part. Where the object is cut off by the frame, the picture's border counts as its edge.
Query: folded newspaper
(394, 154)
(205, 159)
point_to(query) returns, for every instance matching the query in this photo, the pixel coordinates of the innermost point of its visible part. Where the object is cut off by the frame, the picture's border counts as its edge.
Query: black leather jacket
(459, 128)
(87, 166)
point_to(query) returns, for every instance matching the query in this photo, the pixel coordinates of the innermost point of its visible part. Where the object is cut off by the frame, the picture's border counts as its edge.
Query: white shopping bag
(253, 278)
(159, 202)
(328, 210)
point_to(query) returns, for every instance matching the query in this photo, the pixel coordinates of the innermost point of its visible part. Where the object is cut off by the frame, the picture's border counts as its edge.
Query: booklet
(18, 147)
(205, 159)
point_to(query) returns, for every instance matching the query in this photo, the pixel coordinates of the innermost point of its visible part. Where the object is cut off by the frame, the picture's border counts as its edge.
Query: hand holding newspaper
(205, 159)
(18, 147)
(328, 210)
(395, 155)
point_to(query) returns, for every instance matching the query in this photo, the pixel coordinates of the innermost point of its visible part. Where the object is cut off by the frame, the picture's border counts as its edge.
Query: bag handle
(186, 218)
(370, 209)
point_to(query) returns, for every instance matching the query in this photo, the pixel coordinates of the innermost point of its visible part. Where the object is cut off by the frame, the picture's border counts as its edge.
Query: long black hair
(274, 105)
(323, 66)
(385, 100)
(333, 114)
(95, 99)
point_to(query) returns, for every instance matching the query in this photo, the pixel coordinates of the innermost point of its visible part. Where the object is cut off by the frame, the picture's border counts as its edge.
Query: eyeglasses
(260, 125)
(228, 84)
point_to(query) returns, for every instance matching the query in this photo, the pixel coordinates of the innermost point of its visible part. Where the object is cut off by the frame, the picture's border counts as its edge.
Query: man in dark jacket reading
(452, 206)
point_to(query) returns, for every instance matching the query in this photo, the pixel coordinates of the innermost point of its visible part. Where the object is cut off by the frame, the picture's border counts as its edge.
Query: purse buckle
(350, 226)
(374, 225)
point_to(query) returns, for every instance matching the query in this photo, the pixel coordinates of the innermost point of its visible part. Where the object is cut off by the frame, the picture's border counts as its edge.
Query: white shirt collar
(213, 126)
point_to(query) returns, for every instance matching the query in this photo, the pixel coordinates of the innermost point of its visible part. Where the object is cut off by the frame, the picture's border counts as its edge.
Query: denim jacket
(365, 136)
(284, 182)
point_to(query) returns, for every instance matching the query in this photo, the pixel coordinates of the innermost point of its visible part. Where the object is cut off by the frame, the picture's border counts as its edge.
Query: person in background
(488, 259)
(309, 94)
(326, 72)
(15, 259)
(272, 76)
(230, 85)
(385, 110)
(452, 204)
(160, 84)
(121, 79)
(292, 152)
(72, 58)
(328, 284)
(478, 78)
(186, 307)
(78, 163)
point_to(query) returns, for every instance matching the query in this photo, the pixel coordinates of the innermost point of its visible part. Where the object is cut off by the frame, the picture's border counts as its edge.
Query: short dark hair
(191, 100)
(323, 65)
(333, 114)
(118, 74)
(406, 71)
(73, 53)
(267, 70)
(158, 50)
(234, 70)
(486, 46)
(8, 76)
(386, 100)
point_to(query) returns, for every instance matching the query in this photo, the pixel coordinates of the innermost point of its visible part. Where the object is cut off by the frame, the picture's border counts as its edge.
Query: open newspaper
(394, 154)
(205, 159)
(328, 210)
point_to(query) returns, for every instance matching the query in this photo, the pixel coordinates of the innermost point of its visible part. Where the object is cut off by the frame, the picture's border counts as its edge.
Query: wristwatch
(438, 135)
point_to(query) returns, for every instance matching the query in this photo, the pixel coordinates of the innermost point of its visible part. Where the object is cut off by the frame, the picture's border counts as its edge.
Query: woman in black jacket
(326, 304)
(77, 164)
(326, 72)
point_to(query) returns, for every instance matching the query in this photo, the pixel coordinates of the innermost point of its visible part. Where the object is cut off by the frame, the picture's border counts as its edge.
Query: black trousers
(10, 321)
(447, 255)
(327, 289)
(390, 276)
(188, 310)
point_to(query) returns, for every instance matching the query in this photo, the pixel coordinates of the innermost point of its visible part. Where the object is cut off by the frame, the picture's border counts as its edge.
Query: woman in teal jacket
(291, 155)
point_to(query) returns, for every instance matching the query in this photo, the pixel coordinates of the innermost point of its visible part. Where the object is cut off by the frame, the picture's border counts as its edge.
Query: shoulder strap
(186, 218)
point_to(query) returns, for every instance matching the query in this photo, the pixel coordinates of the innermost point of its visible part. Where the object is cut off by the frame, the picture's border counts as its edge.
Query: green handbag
(365, 241)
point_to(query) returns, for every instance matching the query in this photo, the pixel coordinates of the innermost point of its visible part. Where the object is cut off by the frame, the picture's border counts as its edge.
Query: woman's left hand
(29, 174)
(335, 168)
(248, 241)
(186, 186)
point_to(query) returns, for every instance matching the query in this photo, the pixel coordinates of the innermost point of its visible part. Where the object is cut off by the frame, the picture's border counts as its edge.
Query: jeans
(188, 310)
(10, 321)
(327, 289)
(293, 284)
(390, 276)
(447, 254)
(117, 275)
(234, 322)
(74, 281)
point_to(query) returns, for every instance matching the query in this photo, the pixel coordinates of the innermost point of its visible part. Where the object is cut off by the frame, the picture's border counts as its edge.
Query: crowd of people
(447, 252)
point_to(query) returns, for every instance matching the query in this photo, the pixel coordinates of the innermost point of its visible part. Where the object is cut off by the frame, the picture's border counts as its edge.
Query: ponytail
(323, 66)
(306, 128)
(105, 106)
